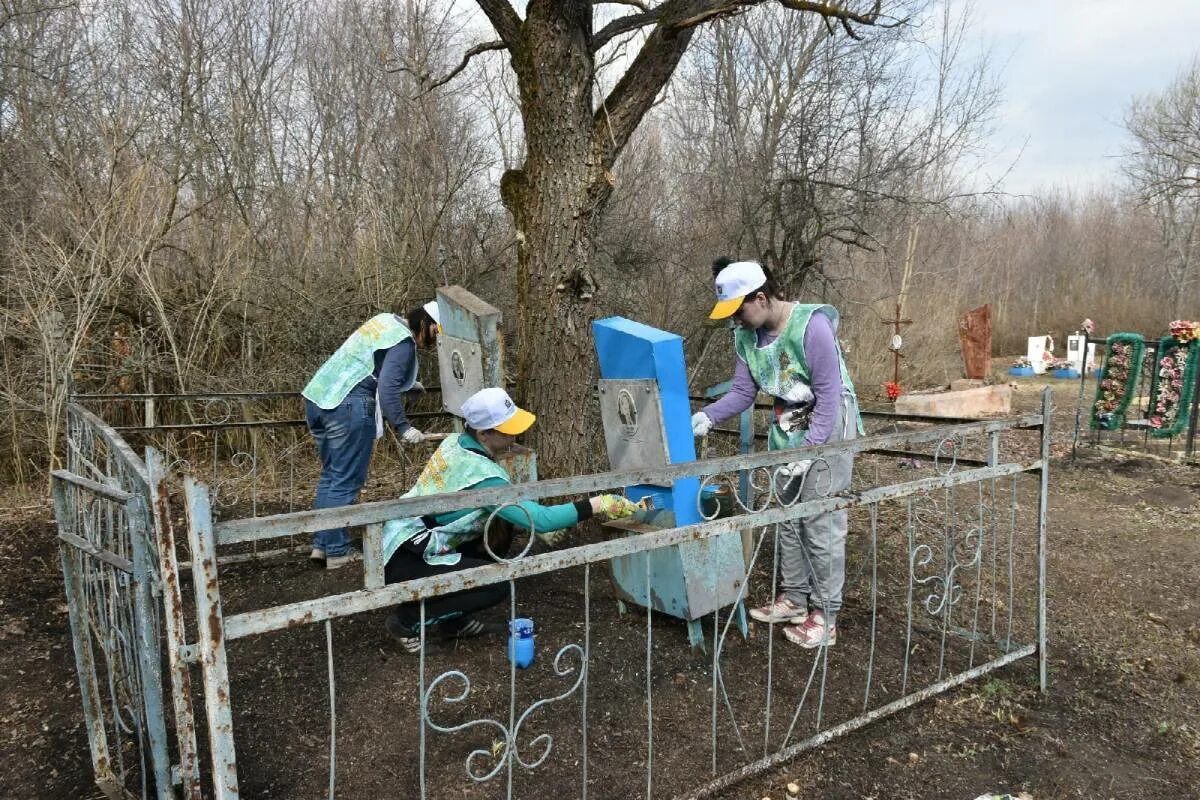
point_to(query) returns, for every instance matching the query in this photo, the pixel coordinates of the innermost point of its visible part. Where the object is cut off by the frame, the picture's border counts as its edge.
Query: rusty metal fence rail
(947, 573)
(251, 448)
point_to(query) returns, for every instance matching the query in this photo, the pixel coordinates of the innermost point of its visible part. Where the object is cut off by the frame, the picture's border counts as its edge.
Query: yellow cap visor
(517, 424)
(726, 308)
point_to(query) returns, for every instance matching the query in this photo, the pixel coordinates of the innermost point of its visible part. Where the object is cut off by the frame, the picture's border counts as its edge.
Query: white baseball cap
(733, 284)
(431, 308)
(492, 408)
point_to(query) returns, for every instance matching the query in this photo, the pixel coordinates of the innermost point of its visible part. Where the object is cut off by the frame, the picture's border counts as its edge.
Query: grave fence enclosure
(161, 547)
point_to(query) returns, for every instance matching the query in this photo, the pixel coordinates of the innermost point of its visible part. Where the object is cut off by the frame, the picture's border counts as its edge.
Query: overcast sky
(1069, 69)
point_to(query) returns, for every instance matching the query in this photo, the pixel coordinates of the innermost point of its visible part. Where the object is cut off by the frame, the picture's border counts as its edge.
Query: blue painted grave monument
(647, 422)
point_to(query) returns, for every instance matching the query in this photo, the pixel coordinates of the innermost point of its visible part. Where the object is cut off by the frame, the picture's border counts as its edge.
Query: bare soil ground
(1122, 719)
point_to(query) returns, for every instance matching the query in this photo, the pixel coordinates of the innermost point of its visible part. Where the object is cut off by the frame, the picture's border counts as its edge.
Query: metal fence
(945, 582)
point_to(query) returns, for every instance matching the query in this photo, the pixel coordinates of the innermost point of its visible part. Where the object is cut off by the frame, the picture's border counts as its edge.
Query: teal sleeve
(545, 518)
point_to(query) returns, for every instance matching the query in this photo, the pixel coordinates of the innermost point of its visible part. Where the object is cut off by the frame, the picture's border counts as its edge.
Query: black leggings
(449, 610)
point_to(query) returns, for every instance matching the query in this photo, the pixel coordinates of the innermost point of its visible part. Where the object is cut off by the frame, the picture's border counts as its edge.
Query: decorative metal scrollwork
(509, 741)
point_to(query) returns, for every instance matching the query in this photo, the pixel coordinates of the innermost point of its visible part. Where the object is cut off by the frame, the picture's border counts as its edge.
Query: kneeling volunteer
(415, 547)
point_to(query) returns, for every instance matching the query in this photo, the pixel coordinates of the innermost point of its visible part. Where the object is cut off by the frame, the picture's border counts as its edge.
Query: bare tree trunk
(553, 206)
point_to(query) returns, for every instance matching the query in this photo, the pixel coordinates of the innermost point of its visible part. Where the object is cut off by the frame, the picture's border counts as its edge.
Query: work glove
(615, 506)
(553, 538)
(701, 424)
(794, 419)
(412, 436)
(416, 388)
(797, 469)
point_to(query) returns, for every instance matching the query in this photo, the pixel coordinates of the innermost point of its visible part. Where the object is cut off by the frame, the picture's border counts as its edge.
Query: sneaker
(812, 633)
(782, 610)
(472, 628)
(317, 554)
(349, 557)
(404, 636)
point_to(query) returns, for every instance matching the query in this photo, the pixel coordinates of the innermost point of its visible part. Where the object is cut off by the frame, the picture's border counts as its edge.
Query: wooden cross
(895, 344)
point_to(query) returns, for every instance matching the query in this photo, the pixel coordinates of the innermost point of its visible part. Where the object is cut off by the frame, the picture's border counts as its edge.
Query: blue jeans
(345, 437)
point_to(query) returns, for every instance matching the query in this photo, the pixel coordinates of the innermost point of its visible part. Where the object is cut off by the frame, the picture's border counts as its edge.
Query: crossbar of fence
(247, 530)
(332, 606)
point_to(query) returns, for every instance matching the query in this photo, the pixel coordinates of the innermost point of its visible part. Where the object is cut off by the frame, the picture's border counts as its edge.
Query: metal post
(150, 418)
(1043, 497)
(993, 460)
(211, 639)
(1189, 449)
(747, 445)
(372, 553)
(147, 646)
(1079, 402)
(173, 625)
(85, 660)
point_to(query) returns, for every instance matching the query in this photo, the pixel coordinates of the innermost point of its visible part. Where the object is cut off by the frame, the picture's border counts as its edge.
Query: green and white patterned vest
(355, 360)
(451, 468)
(780, 365)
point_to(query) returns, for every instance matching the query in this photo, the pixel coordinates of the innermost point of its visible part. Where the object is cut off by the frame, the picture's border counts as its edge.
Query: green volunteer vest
(780, 365)
(451, 468)
(355, 360)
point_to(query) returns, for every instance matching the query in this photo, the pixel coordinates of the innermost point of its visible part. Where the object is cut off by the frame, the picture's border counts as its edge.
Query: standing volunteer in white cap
(346, 402)
(415, 547)
(791, 351)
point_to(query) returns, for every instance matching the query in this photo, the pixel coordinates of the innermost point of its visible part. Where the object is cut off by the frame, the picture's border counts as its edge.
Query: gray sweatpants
(812, 550)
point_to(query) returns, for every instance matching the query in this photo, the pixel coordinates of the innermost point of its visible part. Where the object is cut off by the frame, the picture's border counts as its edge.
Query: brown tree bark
(549, 202)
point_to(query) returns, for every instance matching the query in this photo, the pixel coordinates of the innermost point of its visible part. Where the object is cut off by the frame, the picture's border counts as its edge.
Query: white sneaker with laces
(813, 633)
(781, 610)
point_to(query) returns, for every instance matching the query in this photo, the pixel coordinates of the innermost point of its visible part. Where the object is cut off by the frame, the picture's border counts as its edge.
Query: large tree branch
(482, 47)
(621, 112)
(831, 11)
(711, 9)
(630, 22)
(638, 4)
(504, 19)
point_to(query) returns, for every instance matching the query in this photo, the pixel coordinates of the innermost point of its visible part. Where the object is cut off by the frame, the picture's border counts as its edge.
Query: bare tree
(1164, 167)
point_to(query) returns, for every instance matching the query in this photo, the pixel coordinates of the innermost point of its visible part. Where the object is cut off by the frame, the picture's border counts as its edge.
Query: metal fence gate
(122, 600)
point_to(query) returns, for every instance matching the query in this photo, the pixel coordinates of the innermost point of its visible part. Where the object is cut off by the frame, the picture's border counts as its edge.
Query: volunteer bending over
(790, 351)
(346, 402)
(416, 547)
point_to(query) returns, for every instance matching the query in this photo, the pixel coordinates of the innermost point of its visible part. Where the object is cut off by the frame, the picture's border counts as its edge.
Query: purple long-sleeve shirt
(821, 354)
